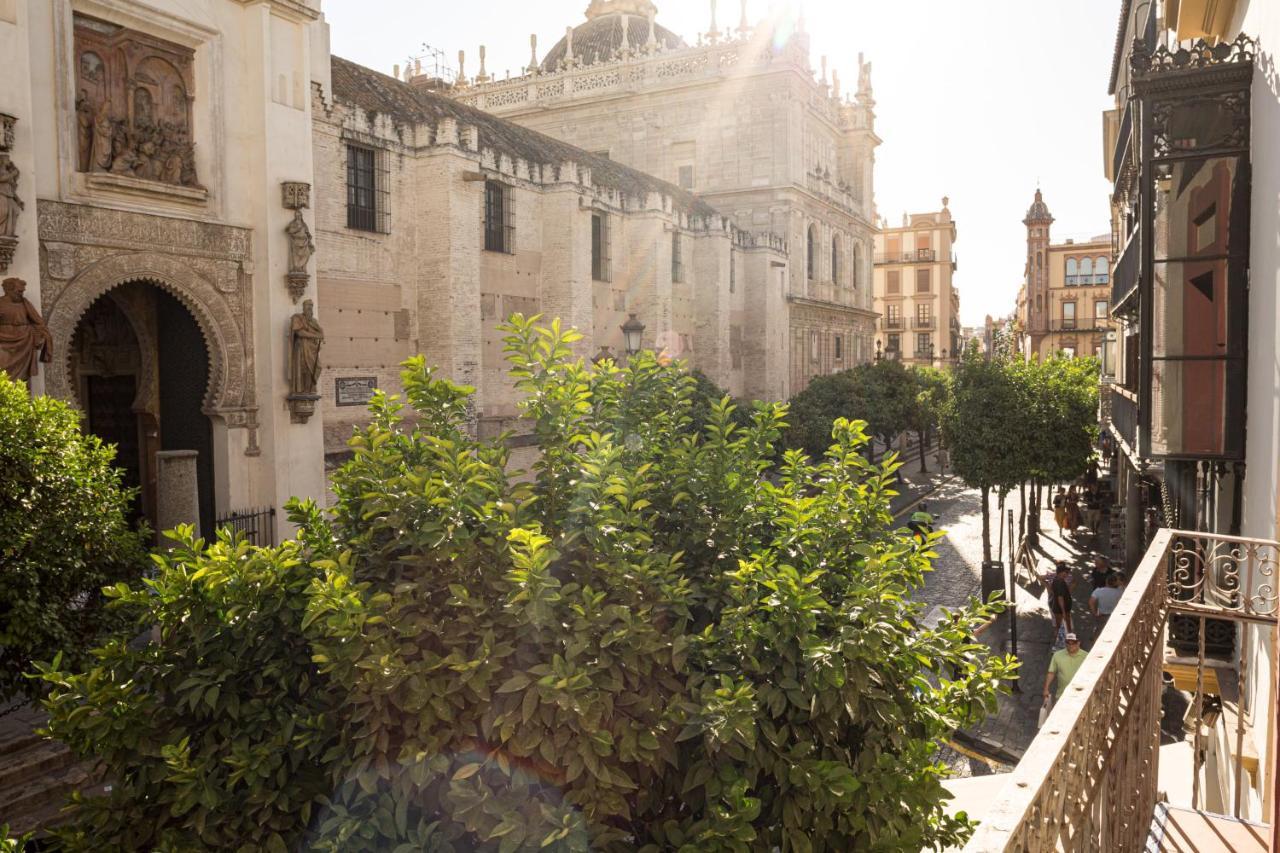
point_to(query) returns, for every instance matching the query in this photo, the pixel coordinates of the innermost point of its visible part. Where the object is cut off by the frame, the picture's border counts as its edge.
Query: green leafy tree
(883, 395)
(984, 426)
(932, 391)
(64, 534)
(645, 644)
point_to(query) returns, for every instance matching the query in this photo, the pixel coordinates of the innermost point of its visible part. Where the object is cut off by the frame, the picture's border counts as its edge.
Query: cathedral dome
(600, 37)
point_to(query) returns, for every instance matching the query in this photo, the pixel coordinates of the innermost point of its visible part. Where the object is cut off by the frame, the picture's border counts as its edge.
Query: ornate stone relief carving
(10, 205)
(296, 196)
(305, 340)
(134, 97)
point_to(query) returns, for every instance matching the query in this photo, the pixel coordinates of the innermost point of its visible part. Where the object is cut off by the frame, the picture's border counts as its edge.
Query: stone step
(21, 802)
(28, 765)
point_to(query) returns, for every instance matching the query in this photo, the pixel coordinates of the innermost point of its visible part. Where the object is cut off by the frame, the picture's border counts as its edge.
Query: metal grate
(257, 525)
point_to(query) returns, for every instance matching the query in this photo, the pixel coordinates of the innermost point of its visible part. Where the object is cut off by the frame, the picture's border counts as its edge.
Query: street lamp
(632, 334)
(879, 352)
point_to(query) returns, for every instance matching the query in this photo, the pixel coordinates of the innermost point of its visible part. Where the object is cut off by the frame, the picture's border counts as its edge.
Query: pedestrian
(1092, 508)
(1063, 666)
(1060, 600)
(1101, 568)
(1073, 510)
(1060, 509)
(1105, 598)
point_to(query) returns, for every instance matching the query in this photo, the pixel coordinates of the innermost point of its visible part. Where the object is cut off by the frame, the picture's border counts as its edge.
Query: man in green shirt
(1063, 666)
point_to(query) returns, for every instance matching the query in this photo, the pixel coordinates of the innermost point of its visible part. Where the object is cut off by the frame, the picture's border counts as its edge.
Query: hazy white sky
(976, 99)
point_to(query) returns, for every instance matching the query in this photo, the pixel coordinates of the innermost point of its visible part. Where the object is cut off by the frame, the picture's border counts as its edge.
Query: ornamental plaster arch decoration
(230, 388)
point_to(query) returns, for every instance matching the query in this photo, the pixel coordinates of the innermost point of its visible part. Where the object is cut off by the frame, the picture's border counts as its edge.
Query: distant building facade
(915, 292)
(741, 119)
(1066, 304)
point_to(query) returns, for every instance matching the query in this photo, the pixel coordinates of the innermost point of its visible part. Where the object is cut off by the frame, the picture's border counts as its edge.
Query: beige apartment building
(915, 293)
(1068, 292)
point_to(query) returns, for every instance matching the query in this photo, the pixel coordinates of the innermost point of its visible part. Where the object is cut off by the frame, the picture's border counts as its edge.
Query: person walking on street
(1060, 509)
(1101, 569)
(1063, 666)
(1105, 598)
(1060, 601)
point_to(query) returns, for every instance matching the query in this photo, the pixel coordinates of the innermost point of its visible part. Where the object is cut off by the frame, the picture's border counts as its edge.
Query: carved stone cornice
(302, 11)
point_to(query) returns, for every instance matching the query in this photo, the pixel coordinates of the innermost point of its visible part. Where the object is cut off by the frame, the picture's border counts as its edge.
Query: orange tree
(645, 644)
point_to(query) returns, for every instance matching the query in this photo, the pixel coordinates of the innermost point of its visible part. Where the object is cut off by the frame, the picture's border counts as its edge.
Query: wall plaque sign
(355, 390)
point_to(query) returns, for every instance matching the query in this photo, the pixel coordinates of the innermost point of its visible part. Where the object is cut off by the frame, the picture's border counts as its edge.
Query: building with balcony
(740, 116)
(1066, 308)
(915, 295)
(1193, 152)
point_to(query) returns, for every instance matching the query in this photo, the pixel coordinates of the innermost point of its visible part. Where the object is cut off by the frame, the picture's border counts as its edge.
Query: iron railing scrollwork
(1089, 781)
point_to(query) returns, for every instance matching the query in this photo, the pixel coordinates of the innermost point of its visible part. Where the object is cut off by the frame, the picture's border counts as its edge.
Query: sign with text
(355, 390)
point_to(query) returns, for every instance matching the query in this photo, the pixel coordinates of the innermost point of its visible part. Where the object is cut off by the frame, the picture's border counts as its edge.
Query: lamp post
(632, 335)
(879, 352)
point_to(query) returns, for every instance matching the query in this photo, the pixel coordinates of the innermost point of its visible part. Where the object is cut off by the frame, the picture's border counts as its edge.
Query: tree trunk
(924, 441)
(986, 526)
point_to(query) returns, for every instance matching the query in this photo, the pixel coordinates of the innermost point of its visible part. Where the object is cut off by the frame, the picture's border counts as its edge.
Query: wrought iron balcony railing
(919, 256)
(1090, 780)
(1124, 417)
(891, 322)
(1124, 280)
(923, 323)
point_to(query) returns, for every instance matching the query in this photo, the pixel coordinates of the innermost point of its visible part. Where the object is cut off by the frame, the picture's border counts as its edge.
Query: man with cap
(1060, 598)
(1063, 666)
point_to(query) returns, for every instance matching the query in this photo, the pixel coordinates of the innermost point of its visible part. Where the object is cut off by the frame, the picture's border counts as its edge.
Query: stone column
(177, 490)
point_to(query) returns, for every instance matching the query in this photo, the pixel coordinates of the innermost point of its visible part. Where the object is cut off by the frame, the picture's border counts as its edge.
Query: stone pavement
(999, 741)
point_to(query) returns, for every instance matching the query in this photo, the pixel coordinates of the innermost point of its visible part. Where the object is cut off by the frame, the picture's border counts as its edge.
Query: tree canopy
(643, 644)
(883, 394)
(64, 534)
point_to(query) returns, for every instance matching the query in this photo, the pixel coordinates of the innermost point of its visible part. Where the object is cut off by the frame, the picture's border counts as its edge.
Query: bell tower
(1038, 222)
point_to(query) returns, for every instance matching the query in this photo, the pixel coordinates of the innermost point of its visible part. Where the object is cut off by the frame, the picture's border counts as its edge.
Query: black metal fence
(257, 525)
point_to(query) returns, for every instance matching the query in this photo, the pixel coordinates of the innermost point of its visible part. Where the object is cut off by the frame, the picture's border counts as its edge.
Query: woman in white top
(1105, 598)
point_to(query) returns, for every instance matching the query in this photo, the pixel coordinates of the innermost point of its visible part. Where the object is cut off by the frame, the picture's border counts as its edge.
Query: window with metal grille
(677, 258)
(600, 247)
(367, 189)
(499, 218)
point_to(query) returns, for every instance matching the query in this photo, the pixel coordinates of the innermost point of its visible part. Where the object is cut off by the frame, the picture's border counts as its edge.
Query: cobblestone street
(957, 577)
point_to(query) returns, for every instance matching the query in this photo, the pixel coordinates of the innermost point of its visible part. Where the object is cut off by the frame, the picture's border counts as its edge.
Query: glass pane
(1201, 208)
(1197, 408)
(1198, 309)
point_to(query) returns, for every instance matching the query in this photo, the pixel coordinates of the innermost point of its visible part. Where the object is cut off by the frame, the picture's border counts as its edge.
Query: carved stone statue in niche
(137, 90)
(24, 340)
(301, 248)
(10, 204)
(305, 340)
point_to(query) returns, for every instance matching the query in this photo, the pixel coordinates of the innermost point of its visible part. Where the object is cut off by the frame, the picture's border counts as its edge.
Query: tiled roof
(408, 104)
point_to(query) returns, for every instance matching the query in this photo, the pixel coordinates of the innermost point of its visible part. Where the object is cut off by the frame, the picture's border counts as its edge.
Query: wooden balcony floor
(1177, 830)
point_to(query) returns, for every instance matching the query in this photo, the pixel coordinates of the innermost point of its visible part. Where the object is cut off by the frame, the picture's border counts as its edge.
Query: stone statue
(84, 132)
(305, 338)
(301, 246)
(24, 340)
(103, 136)
(10, 204)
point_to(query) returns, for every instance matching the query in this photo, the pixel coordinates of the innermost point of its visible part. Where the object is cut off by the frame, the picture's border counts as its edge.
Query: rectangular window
(839, 348)
(499, 218)
(1068, 315)
(924, 343)
(895, 343)
(362, 189)
(893, 282)
(924, 280)
(893, 317)
(677, 258)
(684, 178)
(733, 272)
(924, 312)
(814, 351)
(600, 246)
(893, 248)
(1100, 308)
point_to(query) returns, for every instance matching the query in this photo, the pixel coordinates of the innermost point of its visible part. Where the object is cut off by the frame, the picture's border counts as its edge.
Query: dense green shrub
(883, 395)
(645, 644)
(64, 534)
